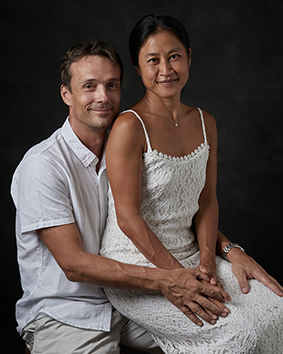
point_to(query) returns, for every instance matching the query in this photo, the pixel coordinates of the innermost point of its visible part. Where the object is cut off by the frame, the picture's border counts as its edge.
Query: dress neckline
(190, 156)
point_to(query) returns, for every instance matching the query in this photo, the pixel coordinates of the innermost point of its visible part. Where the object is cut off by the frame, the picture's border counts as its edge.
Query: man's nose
(101, 94)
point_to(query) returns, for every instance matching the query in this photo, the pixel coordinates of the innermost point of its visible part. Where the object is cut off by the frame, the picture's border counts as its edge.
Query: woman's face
(164, 64)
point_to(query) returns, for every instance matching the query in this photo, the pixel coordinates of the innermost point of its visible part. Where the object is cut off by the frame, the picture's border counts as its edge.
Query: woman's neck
(168, 106)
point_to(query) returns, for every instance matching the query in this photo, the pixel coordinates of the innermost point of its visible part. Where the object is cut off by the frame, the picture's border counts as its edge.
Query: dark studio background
(236, 75)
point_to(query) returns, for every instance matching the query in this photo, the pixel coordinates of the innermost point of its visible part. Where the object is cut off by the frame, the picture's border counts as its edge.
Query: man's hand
(191, 292)
(244, 267)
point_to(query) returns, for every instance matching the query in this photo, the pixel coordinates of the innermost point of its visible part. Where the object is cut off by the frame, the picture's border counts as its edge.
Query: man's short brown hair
(78, 51)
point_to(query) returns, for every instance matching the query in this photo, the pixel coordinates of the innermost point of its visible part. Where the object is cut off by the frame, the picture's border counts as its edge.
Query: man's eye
(114, 85)
(152, 60)
(174, 56)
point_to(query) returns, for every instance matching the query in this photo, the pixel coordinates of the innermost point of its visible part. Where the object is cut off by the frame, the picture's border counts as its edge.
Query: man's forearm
(65, 244)
(105, 272)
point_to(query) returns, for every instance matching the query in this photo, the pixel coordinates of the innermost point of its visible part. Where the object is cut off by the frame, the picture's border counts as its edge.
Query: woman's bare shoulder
(209, 120)
(210, 126)
(193, 112)
(127, 120)
(128, 126)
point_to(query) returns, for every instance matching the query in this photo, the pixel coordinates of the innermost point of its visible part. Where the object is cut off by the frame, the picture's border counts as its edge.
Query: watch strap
(229, 247)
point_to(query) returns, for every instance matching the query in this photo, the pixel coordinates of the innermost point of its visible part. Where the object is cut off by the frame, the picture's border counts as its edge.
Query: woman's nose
(165, 67)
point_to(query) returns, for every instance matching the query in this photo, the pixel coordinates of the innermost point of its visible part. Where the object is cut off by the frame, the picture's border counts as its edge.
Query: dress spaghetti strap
(203, 125)
(149, 149)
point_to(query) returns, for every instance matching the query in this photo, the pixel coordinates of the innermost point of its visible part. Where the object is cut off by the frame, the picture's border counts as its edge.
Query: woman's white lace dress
(170, 191)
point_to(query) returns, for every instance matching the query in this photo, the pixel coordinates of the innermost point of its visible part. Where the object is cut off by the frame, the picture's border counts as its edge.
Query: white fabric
(170, 193)
(55, 184)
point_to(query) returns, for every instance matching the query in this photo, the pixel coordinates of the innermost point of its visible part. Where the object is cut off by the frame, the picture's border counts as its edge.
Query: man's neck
(94, 143)
(93, 139)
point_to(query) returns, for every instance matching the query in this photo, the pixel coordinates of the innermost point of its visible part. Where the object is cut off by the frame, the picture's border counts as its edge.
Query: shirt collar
(86, 156)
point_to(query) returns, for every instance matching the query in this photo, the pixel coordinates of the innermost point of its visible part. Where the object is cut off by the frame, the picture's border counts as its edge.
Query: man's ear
(65, 94)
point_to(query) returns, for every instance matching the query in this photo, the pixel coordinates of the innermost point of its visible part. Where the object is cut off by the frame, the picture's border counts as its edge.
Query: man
(59, 190)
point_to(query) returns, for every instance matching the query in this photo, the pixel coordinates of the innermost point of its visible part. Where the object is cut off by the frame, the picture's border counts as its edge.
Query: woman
(161, 162)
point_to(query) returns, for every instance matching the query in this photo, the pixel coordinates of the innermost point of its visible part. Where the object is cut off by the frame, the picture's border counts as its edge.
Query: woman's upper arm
(124, 151)
(211, 171)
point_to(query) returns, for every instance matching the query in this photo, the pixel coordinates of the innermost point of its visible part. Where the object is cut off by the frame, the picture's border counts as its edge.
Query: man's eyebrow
(95, 80)
(114, 79)
(88, 80)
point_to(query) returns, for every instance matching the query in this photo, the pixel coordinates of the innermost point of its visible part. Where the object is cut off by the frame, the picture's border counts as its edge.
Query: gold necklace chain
(176, 124)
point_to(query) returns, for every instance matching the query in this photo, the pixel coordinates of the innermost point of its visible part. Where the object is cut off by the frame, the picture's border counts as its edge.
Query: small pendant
(176, 124)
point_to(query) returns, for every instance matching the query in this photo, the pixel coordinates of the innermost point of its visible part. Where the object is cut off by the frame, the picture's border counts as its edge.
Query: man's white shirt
(55, 184)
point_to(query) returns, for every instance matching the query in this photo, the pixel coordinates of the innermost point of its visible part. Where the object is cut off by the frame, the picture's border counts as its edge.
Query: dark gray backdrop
(236, 75)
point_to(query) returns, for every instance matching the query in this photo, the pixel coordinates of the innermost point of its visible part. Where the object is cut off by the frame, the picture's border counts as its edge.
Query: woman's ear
(189, 58)
(137, 68)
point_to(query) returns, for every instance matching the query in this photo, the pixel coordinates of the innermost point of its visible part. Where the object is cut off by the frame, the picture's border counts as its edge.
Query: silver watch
(229, 247)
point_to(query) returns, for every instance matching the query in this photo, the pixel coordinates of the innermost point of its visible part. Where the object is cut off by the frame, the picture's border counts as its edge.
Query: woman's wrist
(229, 249)
(208, 262)
(207, 255)
(234, 253)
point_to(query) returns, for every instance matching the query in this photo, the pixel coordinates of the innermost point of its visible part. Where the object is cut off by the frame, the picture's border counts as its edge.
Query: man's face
(96, 93)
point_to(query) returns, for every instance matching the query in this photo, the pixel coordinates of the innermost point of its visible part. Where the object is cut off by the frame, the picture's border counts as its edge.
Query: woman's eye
(152, 60)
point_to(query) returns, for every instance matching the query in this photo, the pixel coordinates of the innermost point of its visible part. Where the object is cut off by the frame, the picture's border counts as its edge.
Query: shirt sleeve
(43, 194)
